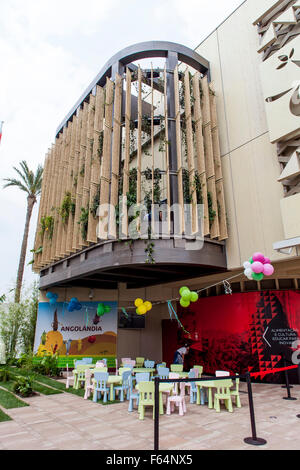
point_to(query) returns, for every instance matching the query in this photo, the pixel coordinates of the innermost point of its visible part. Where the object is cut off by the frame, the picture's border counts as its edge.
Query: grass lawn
(37, 387)
(4, 417)
(8, 400)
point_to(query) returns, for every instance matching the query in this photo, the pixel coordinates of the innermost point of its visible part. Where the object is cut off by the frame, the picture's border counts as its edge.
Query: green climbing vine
(67, 207)
(83, 222)
(47, 226)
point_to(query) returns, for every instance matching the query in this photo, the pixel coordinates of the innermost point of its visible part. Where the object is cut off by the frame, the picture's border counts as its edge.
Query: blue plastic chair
(162, 364)
(193, 389)
(125, 386)
(134, 394)
(87, 360)
(149, 364)
(101, 379)
(163, 372)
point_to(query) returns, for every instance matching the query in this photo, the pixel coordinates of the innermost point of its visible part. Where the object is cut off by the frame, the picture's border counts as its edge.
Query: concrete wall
(249, 160)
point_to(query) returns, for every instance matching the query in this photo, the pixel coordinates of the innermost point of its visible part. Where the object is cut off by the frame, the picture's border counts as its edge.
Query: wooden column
(77, 198)
(96, 165)
(200, 156)
(105, 169)
(115, 161)
(71, 187)
(127, 154)
(209, 158)
(179, 150)
(190, 149)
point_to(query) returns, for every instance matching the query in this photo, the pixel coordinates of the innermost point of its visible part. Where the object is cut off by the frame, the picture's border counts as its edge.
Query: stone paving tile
(67, 421)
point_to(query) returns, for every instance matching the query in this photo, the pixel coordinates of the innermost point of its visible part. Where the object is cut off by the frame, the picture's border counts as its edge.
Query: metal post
(156, 413)
(287, 386)
(253, 440)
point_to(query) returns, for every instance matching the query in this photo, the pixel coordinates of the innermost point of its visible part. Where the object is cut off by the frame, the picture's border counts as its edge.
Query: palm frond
(14, 182)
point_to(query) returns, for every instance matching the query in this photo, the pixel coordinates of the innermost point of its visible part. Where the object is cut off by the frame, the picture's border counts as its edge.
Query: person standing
(180, 354)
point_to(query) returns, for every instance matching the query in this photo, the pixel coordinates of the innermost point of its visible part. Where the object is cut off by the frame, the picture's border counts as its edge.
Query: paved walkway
(67, 421)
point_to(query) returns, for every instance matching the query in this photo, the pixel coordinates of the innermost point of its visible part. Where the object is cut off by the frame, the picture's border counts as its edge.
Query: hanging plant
(35, 252)
(47, 225)
(149, 250)
(83, 222)
(66, 207)
(100, 148)
(95, 205)
(211, 212)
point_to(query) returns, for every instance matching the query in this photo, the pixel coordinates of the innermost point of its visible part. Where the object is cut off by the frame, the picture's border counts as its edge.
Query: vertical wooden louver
(83, 167)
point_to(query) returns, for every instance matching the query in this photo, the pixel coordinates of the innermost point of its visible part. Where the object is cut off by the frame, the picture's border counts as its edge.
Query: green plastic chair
(200, 369)
(146, 398)
(80, 379)
(223, 393)
(176, 367)
(235, 393)
(139, 361)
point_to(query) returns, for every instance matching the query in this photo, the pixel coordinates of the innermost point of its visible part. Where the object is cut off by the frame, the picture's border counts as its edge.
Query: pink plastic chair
(177, 400)
(89, 386)
(128, 362)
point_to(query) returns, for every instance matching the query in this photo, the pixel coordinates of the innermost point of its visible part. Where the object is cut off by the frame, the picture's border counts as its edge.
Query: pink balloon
(258, 257)
(257, 267)
(268, 270)
(267, 261)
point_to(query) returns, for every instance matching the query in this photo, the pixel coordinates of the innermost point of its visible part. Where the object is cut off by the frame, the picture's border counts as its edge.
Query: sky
(51, 50)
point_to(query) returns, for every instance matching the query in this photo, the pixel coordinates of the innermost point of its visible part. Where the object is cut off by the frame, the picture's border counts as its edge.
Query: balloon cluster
(74, 305)
(102, 309)
(257, 267)
(187, 296)
(142, 307)
(52, 297)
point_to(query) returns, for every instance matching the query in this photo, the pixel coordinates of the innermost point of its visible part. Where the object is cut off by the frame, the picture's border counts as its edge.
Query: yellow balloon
(148, 305)
(138, 302)
(142, 309)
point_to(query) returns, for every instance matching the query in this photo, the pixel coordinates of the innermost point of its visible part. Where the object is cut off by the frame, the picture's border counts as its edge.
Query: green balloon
(251, 260)
(182, 289)
(107, 309)
(257, 276)
(194, 297)
(100, 310)
(184, 303)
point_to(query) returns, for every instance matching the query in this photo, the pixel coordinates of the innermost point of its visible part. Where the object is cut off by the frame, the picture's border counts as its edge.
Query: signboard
(79, 332)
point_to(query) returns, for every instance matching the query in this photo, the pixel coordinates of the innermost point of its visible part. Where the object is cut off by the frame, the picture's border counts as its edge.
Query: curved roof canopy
(170, 50)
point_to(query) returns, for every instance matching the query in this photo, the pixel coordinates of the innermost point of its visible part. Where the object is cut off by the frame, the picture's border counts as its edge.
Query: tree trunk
(30, 203)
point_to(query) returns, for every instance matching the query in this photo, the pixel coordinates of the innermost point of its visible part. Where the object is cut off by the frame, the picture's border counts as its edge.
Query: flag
(1, 124)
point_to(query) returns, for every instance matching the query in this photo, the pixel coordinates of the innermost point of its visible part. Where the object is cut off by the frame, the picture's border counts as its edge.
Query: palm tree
(31, 184)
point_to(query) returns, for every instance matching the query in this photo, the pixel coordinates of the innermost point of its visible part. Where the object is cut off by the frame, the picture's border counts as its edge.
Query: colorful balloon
(148, 305)
(138, 302)
(258, 257)
(194, 296)
(257, 276)
(142, 310)
(184, 303)
(257, 267)
(268, 270)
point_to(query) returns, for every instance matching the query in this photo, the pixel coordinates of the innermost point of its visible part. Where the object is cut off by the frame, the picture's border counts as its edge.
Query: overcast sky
(51, 50)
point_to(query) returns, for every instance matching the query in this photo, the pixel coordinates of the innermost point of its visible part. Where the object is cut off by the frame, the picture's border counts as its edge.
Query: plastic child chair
(128, 362)
(123, 369)
(125, 386)
(146, 398)
(235, 393)
(149, 364)
(191, 375)
(100, 380)
(139, 361)
(87, 360)
(163, 372)
(162, 364)
(176, 367)
(89, 386)
(200, 370)
(222, 373)
(125, 359)
(134, 394)
(100, 364)
(177, 400)
(100, 369)
(80, 369)
(223, 393)
(174, 375)
(70, 377)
